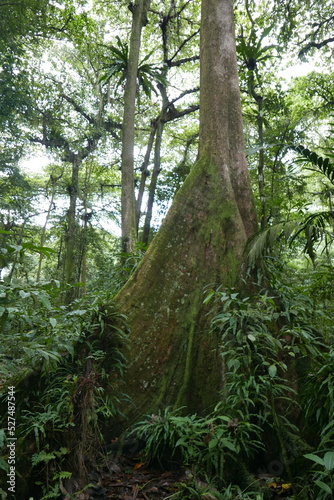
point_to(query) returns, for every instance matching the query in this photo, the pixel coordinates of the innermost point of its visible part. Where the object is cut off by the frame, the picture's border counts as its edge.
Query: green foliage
(130, 261)
(36, 332)
(114, 268)
(66, 387)
(318, 395)
(255, 348)
(323, 165)
(322, 481)
(148, 74)
(252, 50)
(207, 444)
(196, 489)
(57, 355)
(273, 343)
(119, 62)
(269, 340)
(315, 228)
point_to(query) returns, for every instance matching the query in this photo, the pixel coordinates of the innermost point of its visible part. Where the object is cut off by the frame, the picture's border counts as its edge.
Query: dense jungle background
(179, 356)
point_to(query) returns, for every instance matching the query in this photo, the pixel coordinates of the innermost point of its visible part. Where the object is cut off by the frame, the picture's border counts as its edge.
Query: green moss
(200, 242)
(189, 357)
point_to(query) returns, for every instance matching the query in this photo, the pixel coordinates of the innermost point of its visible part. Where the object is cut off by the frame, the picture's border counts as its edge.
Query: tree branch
(108, 125)
(169, 62)
(174, 114)
(78, 108)
(186, 92)
(179, 62)
(309, 46)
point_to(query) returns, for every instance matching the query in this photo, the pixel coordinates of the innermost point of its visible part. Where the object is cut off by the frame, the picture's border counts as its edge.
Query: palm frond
(262, 243)
(312, 227)
(323, 164)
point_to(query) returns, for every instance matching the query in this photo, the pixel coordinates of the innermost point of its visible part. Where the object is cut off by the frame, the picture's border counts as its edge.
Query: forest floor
(126, 478)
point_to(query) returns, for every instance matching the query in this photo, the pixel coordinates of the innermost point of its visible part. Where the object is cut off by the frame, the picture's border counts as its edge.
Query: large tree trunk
(174, 358)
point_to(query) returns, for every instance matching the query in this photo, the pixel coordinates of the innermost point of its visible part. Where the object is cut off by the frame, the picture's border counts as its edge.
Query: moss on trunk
(174, 358)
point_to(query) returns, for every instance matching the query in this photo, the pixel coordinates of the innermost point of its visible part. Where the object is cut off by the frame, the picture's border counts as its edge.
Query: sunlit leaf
(314, 458)
(53, 321)
(272, 370)
(139, 465)
(329, 460)
(323, 486)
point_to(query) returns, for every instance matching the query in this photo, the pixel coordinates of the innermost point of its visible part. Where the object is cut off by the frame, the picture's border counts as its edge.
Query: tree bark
(160, 124)
(153, 183)
(129, 227)
(71, 237)
(144, 171)
(43, 235)
(174, 357)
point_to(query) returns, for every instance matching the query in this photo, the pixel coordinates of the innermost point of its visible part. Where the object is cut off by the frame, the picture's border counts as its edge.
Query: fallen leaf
(168, 473)
(141, 464)
(154, 489)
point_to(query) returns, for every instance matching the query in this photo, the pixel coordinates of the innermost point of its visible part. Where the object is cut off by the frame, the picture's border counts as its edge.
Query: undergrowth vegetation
(66, 390)
(275, 417)
(277, 364)
(277, 358)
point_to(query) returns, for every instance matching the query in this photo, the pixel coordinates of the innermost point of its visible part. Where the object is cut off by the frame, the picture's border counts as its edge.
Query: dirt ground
(126, 478)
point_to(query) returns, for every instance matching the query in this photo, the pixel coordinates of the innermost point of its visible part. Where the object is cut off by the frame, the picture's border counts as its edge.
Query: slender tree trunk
(153, 183)
(174, 358)
(260, 167)
(145, 172)
(11, 274)
(82, 265)
(129, 234)
(43, 235)
(71, 238)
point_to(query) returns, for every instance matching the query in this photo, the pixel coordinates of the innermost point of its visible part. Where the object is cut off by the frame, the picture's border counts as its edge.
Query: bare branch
(108, 125)
(174, 114)
(186, 92)
(169, 62)
(310, 45)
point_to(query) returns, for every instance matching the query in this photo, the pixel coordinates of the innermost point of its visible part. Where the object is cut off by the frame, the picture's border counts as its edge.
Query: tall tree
(168, 20)
(139, 12)
(174, 359)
